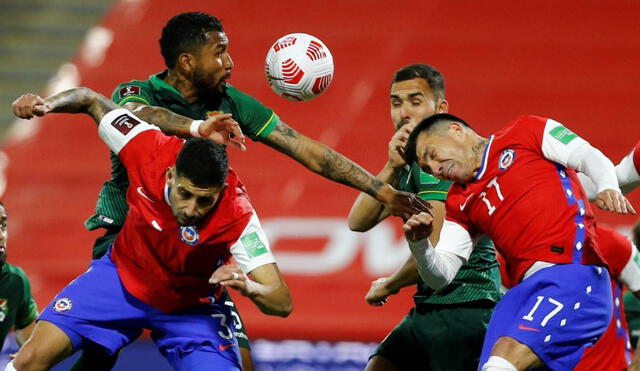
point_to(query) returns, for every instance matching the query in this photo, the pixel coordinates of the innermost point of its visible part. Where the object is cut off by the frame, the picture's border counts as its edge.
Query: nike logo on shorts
(523, 327)
(222, 348)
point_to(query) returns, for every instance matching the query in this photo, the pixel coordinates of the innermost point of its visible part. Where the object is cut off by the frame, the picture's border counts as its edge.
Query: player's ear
(170, 174)
(442, 106)
(186, 62)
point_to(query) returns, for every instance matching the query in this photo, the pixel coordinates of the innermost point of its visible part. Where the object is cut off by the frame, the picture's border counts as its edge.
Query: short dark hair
(203, 162)
(427, 124)
(186, 33)
(430, 74)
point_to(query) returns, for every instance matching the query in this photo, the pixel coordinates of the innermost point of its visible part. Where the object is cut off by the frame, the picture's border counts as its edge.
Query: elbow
(283, 309)
(356, 226)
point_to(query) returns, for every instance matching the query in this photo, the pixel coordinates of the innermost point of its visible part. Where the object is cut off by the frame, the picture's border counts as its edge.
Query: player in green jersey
(429, 337)
(18, 309)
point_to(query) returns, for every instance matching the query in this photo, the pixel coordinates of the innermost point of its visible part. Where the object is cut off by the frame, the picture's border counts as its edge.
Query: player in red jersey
(612, 352)
(188, 215)
(519, 188)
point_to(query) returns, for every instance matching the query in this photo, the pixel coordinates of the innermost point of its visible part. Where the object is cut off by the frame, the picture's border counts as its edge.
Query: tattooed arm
(219, 128)
(323, 160)
(76, 100)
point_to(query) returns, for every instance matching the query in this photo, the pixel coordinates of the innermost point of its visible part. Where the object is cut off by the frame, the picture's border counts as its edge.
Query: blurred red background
(574, 61)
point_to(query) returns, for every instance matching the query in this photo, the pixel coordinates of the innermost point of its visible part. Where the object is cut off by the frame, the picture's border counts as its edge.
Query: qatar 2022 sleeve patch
(562, 134)
(128, 90)
(253, 245)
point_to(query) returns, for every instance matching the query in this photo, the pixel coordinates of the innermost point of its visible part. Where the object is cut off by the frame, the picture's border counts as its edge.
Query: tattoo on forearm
(337, 167)
(168, 121)
(330, 163)
(81, 100)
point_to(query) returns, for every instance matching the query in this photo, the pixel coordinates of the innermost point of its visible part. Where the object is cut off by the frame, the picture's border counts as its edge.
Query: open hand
(231, 275)
(613, 200)
(223, 129)
(378, 293)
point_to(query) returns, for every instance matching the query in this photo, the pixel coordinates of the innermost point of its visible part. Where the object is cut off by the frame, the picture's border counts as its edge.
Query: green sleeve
(27, 310)
(427, 186)
(256, 120)
(132, 91)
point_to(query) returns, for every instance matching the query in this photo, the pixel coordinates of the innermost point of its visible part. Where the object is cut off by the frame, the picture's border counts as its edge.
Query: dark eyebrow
(412, 95)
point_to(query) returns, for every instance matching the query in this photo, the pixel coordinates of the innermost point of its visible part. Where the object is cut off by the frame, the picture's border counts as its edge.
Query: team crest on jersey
(189, 235)
(62, 305)
(4, 308)
(129, 90)
(506, 159)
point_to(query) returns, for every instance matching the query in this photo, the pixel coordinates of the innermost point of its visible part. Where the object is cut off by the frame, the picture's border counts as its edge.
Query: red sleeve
(616, 249)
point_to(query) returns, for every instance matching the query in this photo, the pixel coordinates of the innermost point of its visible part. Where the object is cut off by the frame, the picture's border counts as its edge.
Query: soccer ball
(299, 67)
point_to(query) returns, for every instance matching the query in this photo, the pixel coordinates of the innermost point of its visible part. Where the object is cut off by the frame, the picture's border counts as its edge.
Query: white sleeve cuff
(119, 126)
(436, 267)
(595, 165)
(252, 248)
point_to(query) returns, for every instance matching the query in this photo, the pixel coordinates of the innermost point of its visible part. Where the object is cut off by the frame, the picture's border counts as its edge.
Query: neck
(182, 84)
(478, 151)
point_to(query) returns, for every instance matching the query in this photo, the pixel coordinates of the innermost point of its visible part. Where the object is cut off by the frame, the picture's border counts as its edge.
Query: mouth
(450, 171)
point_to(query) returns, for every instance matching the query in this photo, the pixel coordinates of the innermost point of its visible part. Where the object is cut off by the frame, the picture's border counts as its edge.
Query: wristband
(195, 125)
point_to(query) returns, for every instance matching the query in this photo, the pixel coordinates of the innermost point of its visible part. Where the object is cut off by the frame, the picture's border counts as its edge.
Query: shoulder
(15, 272)
(130, 89)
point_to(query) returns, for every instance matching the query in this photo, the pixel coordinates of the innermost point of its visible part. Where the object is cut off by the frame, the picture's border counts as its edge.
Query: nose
(435, 168)
(405, 110)
(229, 62)
(190, 209)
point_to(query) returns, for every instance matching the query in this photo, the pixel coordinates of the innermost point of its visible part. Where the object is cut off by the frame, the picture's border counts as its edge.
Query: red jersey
(612, 352)
(160, 262)
(532, 207)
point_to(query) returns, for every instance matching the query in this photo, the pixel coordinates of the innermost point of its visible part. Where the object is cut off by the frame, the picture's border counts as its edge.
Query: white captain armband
(119, 126)
(252, 248)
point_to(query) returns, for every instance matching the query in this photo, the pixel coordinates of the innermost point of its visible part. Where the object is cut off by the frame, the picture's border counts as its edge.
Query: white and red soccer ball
(299, 67)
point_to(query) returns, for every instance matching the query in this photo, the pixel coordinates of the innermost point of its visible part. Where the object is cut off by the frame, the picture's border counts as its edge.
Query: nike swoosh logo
(222, 348)
(139, 190)
(523, 327)
(465, 202)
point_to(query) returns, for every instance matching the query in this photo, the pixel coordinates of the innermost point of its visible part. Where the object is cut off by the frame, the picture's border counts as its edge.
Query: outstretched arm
(219, 128)
(76, 100)
(321, 159)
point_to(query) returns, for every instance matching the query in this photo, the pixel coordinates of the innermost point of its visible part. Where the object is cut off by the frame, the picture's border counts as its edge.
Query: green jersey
(478, 279)
(632, 312)
(17, 307)
(255, 120)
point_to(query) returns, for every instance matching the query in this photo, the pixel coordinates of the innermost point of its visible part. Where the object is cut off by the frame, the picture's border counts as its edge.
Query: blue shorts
(557, 312)
(96, 308)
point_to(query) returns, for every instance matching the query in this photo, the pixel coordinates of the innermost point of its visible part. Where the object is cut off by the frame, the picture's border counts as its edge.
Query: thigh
(400, 348)
(202, 328)
(96, 308)
(47, 346)
(557, 313)
(453, 336)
